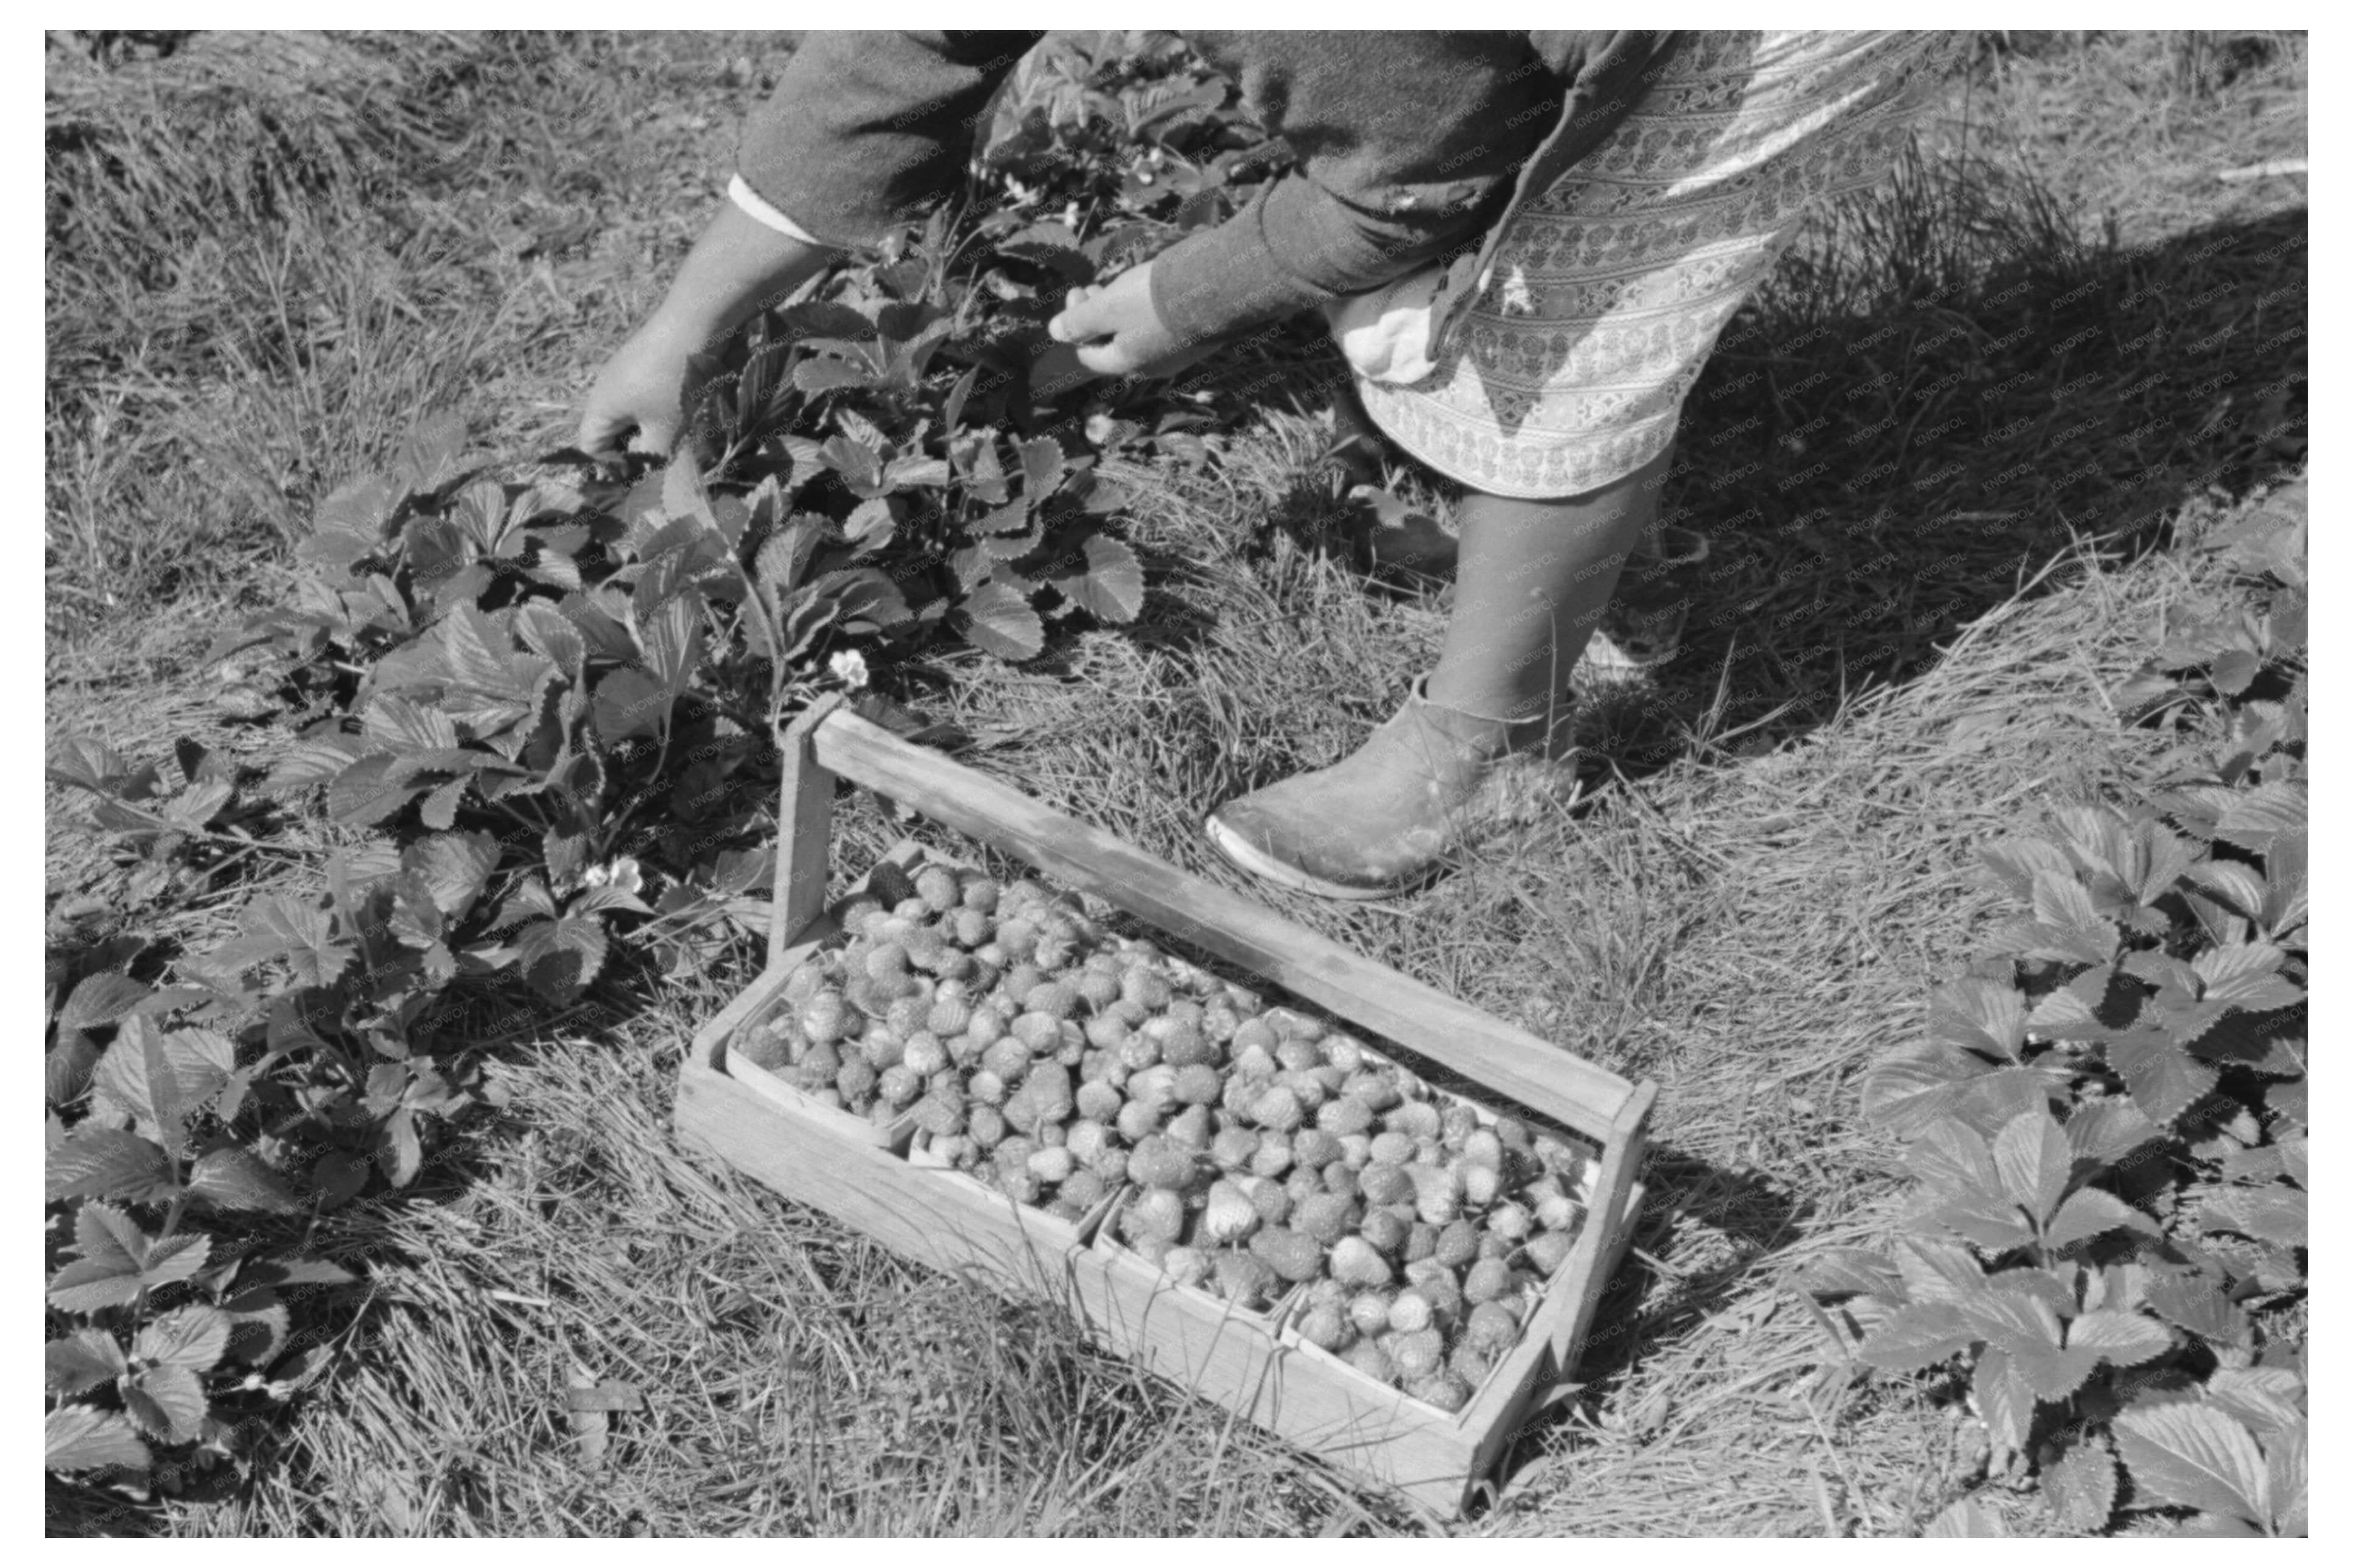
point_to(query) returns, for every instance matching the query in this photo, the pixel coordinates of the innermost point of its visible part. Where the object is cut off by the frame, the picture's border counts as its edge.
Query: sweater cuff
(1227, 280)
(751, 203)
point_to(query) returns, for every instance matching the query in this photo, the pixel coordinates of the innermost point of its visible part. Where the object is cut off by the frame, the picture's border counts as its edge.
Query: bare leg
(1533, 582)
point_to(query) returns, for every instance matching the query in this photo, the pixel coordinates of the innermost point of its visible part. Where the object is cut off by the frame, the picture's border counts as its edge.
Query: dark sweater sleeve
(866, 131)
(1406, 143)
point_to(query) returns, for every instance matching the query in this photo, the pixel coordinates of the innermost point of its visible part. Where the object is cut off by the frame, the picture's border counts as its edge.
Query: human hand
(643, 386)
(1118, 331)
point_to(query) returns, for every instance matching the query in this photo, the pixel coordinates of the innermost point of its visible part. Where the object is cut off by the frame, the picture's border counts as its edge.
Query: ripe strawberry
(1369, 1359)
(1384, 1230)
(1358, 1262)
(1292, 1256)
(820, 1062)
(1051, 1165)
(1192, 1128)
(1549, 1250)
(1098, 990)
(1268, 1196)
(1229, 1215)
(1242, 1278)
(1382, 1182)
(897, 1086)
(1040, 1032)
(985, 1124)
(1368, 1311)
(1393, 1149)
(767, 1048)
(1054, 999)
(948, 1017)
(1187, 1264)
(923, 1054)
(1338, 1178)
(1326, 1328)
(940, 1118)
(880, 1047)
(1326, 1216)
(1509, 1221)
(1481, 1185)
(1493, 1327)
(1344, 1052)
(1145, 988)
(1254, 1034)
(1410, 1312)
(884, 959)
(1157, 1163)
(1183, 1044)
(1469, 1364)
(824, 1018)
(1556, 1210)
(1278, 1111)
(1458, 1245)
(1301, 1185)
(1272, 1159)
(1198, 1084)
(980, 895)
(1098, 1100)
(1083, 1189)
(1232, 1148)
(1344, 1115)
(1441, 1388)
(1374, 1087)
(1154, 1211)
(1437, 1194)
(1416, 1354)
(1486, 1279)
(1137, 1119)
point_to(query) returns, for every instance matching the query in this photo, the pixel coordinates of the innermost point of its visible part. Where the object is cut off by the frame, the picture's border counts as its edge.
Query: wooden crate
(1243, 1361)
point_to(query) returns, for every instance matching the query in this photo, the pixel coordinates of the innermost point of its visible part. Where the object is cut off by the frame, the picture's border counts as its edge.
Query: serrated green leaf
(2091, 1213)
(1907, 1093)
(2278, 1214)
(2005, 1404)
(1987, 1017)
(106, 1162)
(372, 791)
(2253, 819)
(454, 868)
(1919, 1335)
(2081, 1486)
(559, 958)
(1964, 1518)
(2191, 1300)
(237, 1179)
(1107, 581)
(2121, 1339)
(2193, 1456)
(167, 1402)
(84, 1437)
(2288, 1459)
(1936, 1270)
(2032, 1161)
(2265, 1399)
(999, 621)
(77, 1364)
(1851, 1271)
(2163, 1078)
(2102, 1131)
(191, 1338)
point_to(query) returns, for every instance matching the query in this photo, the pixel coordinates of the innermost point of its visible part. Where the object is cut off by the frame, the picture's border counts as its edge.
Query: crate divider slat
(1436, 1459)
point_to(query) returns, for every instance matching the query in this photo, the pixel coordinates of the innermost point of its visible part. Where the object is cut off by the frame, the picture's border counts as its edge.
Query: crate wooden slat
(1239, 1362)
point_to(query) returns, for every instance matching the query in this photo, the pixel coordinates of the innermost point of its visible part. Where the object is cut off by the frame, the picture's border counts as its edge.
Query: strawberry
(1326, 1328)
(1083, 1189)
(1486, 1280)
(1384, 1231)
(1344, 1115)
(1441, 1388)
(1416, 1354)
(1292, 1256)
(1358, 1262)
(1278, 1111)
(985, 1124)
(1369, 1312)
(1186, 1265)
(1232, 1148)
(1098, 1100)
(1243, 1280)
(1369, 1359)
(1271, 1160)
(1230, 1216)
(1313, 1148)
(980, 895)
(1493, 1327)
(1385, 1183)
(1197, 1084)
(1326, 1216)
(1549, 1250)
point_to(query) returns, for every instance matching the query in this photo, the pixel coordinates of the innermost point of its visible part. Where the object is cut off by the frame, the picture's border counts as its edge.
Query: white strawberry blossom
(850, 668)
(622, 874)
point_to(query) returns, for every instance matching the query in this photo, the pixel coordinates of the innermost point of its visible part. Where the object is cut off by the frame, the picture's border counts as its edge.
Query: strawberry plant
(538, 715)
(2109, 1123)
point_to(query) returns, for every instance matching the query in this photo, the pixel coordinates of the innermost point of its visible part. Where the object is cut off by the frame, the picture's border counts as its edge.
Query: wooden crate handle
(804, 829)
(1512, 1062)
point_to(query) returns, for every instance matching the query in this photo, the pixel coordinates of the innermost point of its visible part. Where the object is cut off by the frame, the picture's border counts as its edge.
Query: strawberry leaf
(2163, 1078)
(2081, 1487)
(2005, 1403)
(191, 1338)
(2032, 1158)
(82, 1363)
(233, 1178)
(84, 1437)
(2193, 1456)
(106, 1162)
(1919, 1335)
(2121, 1339)
(2091, 1213)
(167, 1402)
(1108, 583)
(560, 957)
(999, 621)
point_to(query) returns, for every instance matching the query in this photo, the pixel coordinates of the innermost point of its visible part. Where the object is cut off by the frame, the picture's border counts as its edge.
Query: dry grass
(1899, 655)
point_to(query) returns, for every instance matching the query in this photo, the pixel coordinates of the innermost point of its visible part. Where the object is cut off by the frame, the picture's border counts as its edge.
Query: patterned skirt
(1570, 371)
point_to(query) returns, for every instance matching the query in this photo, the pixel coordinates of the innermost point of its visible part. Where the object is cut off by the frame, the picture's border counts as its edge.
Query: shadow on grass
(1915, 420)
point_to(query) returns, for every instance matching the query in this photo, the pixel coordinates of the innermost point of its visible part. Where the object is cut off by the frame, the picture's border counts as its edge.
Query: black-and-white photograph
(1307, 784)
